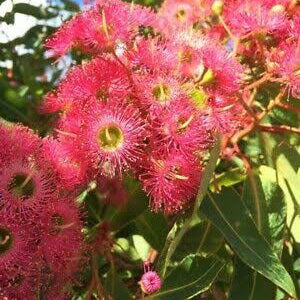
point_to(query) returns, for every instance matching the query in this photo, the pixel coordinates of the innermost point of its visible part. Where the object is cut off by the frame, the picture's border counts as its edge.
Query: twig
(279, 128)
(289, 107)
(243, 157)
(259, 82)
(247, 108)
(271, 105)
(239, 135)
(227, 28)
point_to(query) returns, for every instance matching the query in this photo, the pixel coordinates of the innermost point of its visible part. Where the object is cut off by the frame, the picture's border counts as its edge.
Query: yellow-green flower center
(110, 138)
(5, 240)
(181, 15)
(22, 186)
(161, 92)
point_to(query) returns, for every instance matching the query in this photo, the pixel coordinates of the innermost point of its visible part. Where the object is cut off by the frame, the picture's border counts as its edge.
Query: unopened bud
(217, 7)
(278, 8)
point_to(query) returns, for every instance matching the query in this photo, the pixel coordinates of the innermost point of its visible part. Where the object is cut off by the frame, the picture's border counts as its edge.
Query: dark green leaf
(191, 277)
(250, 285)
(70, 5)
(115, 286)
(203, 239)
(137, 203)
(264, 198)
(284, 117)
(153, 227)
(38, 12)
(8, 18)
(228, 213)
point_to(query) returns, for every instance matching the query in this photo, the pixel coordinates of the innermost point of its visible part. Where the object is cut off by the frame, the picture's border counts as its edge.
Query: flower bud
(217, 7)
(277, 8)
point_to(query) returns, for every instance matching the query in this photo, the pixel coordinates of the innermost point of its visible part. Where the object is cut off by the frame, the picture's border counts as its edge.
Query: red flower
(170, 181)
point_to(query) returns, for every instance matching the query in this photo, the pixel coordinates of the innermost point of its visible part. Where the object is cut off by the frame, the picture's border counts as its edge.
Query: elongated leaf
(285, 117)
(287, 160)
(191, 277)
(250, 285)
(228, 213)
(264, 198)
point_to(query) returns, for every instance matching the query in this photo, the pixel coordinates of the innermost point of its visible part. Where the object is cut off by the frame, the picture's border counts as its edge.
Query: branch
(279, 128)
(289, 107)
(259, 82)
(239, 135)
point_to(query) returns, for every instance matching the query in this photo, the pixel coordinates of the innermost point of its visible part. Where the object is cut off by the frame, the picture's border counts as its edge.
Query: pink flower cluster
(40, 224)
(147, 103)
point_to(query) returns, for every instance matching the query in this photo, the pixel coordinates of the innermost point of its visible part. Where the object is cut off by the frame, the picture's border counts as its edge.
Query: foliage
(240, 238)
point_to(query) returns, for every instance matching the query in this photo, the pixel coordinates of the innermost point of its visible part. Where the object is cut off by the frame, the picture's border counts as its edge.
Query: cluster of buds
(149, 100)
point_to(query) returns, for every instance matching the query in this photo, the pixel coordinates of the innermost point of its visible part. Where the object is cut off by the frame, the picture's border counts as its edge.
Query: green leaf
(203, 239)
(288, 260)
(136, 205)
(191, 277)
(141, 246)
(70, 5)
(287, 160)
(250, 285)
(297, 265)
(284, 117)
(115, 286)
(264, 198)
(228, 213)
(227, 179)
(153, 227)
(38, 12)
(9, 18)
